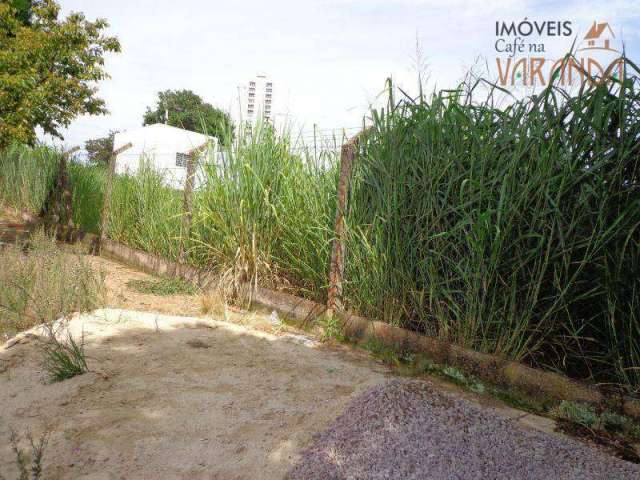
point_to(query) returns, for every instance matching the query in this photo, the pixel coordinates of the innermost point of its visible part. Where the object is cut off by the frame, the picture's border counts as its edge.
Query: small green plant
(332, 329)
(454, 374)
(608, 420)
(579, 413)
(387, 354)
(477, 387)
(164, 286)
(615, 422)
(425, 365)
(29, 465)
(64, 358)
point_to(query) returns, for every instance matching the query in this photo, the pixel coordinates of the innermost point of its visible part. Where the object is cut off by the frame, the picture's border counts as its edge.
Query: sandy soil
(120, 296)
(177, 397)
(196, 397)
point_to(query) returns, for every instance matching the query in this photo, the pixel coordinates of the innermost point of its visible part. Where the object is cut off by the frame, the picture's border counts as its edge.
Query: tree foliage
(99, 150)
(48, 68)
(187, 110)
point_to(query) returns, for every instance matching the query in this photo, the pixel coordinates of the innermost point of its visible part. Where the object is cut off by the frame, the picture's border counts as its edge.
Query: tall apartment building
(258, 100)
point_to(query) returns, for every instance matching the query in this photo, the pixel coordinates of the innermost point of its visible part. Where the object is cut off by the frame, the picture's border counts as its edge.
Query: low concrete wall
(489, 367)
(144, 261)
(301, 310)
(11, 231)
(359, 329)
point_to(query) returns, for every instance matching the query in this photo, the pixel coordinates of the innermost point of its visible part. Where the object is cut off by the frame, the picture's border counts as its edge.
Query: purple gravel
(408, 429)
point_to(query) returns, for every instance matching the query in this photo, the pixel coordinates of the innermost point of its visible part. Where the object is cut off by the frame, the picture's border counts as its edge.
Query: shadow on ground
(178, 397)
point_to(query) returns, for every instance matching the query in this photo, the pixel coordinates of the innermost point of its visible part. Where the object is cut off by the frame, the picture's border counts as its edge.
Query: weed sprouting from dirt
(164, 286)
(64, 358)
(332, 328)
(29, 465)
(589, 417)
(578, 413)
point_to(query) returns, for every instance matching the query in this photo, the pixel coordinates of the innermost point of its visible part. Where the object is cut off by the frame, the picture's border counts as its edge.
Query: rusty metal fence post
(336, 268)
(108, 189)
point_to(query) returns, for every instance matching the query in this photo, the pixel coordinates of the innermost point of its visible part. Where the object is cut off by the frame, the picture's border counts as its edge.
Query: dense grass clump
(64, 358)
(146, 214)
(41, 282)
(26, 176)
(164, 286)
(267, 212)
(507, 230)
(88, 194)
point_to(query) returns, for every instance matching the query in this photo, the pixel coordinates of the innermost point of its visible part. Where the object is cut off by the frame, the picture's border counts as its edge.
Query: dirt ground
(174, 394)
(119, 295)
(177, 397)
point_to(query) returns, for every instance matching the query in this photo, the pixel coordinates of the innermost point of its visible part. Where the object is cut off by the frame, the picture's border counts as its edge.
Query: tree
(187, 110)
(99, 150)
(48, 68)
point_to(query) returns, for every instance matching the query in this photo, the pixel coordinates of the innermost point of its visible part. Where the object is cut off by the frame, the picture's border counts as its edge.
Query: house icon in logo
(599, 37)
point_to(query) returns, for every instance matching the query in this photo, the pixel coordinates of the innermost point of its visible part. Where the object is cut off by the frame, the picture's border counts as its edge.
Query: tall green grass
(260, 211)
(508, 230)
(512, 231)
(145, 213)
(268, 212)
(87, 195)
(26, 176)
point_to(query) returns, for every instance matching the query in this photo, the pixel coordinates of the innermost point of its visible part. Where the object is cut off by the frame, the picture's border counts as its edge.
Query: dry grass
(41, 282)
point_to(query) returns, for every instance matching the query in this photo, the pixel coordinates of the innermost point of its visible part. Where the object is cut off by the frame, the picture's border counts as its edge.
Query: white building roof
(161, 146)
(161, 138)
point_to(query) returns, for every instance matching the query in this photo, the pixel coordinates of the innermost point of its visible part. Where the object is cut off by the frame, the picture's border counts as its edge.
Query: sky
(328, 60)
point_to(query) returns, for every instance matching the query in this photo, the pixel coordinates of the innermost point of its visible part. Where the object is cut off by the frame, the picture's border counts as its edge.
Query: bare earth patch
(121, 296)
(188, 397)
(176, 397)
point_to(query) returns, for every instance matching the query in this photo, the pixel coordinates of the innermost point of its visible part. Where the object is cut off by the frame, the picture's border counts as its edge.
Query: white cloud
(328, 59)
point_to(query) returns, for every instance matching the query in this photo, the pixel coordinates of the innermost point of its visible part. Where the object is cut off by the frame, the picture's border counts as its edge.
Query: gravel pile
(408, 429)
